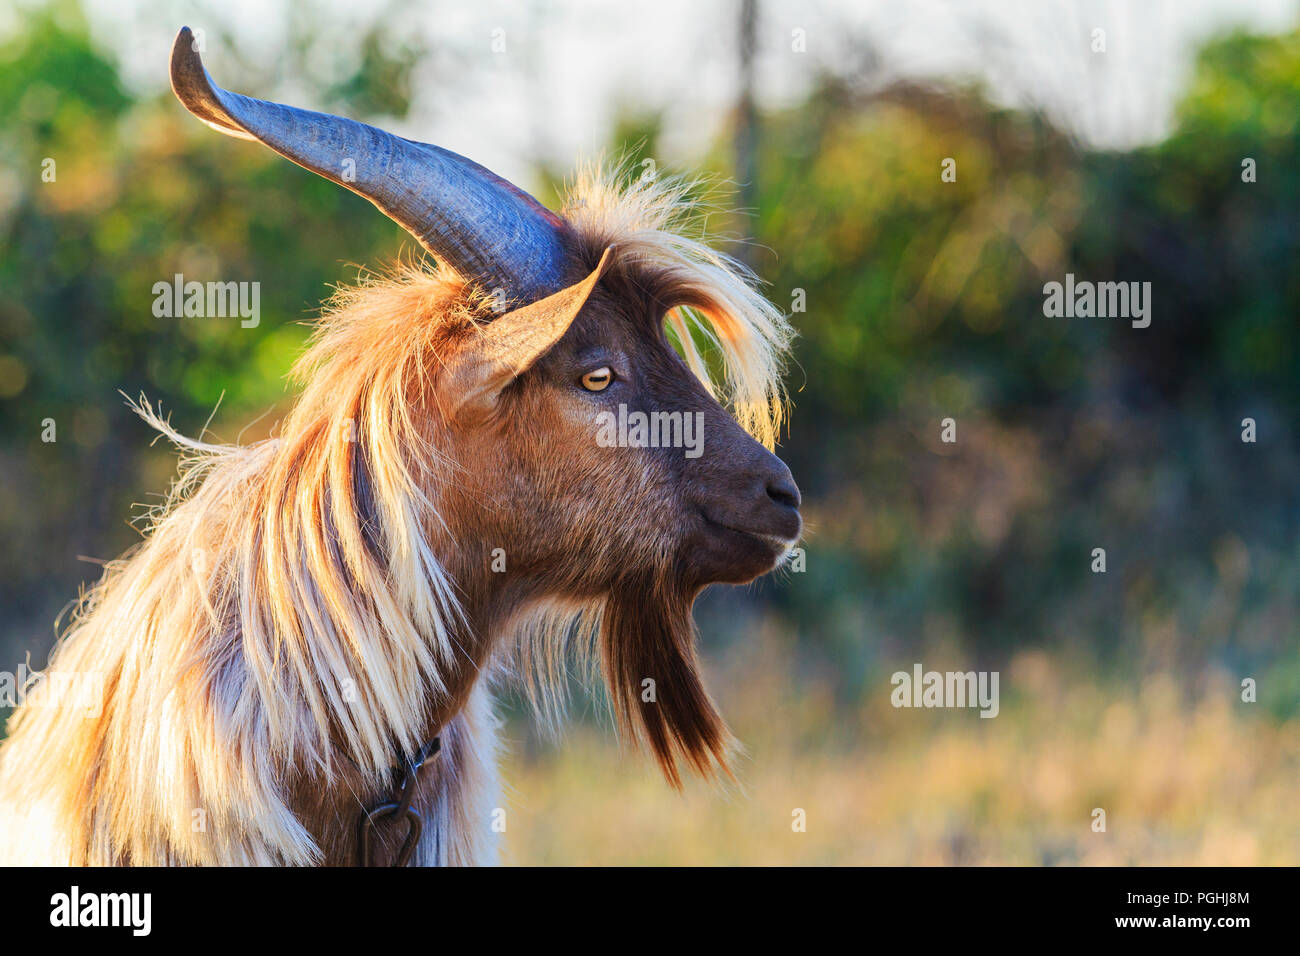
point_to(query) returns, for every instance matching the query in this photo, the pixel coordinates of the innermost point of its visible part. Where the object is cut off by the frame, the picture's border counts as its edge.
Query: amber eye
(598, 379)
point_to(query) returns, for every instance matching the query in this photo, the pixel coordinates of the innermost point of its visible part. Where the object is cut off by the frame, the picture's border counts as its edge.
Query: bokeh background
(830, 121)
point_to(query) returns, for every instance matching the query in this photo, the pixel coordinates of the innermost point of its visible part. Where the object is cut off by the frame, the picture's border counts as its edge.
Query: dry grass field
(1210, 781)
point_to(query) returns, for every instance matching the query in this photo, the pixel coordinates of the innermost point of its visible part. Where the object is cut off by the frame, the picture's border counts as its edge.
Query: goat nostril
(784, 492)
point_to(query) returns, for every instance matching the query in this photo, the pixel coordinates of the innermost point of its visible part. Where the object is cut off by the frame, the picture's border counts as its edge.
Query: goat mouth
(779, 544)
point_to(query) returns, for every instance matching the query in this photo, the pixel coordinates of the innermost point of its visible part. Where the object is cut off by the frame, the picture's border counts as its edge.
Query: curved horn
(467, 216)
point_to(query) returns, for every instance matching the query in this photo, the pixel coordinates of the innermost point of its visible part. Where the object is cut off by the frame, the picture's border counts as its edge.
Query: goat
(435, 512)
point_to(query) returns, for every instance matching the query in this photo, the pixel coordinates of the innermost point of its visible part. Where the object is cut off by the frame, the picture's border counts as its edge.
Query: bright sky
(568, 67)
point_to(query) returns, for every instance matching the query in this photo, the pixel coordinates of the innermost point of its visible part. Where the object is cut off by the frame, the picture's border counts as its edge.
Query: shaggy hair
(289, 619)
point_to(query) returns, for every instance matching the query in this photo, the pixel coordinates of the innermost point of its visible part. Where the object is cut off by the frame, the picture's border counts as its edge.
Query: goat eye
(597, 379)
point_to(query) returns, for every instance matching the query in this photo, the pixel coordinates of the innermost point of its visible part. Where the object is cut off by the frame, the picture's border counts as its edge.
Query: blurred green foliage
(140, 193)
(925, 301)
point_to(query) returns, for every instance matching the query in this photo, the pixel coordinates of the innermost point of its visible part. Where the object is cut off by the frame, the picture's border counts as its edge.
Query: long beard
(647, 634)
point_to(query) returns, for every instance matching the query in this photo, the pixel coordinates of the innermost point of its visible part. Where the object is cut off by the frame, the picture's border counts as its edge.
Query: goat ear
(508, 346)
